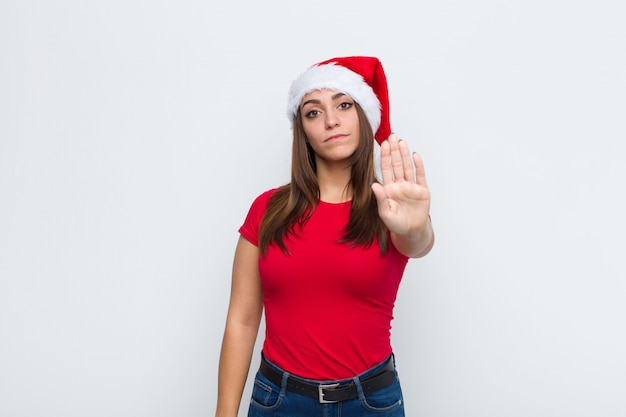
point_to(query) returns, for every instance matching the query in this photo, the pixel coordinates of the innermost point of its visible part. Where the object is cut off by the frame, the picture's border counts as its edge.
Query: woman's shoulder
(250, 227)
(265, 196)
(262, 200)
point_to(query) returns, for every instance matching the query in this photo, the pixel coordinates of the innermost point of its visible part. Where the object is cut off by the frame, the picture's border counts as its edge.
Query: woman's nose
(331, 119)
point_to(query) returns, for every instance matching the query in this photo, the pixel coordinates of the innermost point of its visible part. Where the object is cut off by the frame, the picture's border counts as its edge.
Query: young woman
(324, 256)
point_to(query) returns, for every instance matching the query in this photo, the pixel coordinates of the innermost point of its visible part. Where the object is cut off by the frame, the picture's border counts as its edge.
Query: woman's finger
(407, 161)
(420, 174)
(397, 165)
(385, 163)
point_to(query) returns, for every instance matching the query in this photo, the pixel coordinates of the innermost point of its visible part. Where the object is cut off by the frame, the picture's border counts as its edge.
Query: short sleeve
(250, 227)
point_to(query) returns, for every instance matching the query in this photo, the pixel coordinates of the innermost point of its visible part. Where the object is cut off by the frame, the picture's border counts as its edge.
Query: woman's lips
(335, 137)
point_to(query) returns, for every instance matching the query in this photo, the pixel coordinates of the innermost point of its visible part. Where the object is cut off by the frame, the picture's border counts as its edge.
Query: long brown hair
(292, 204)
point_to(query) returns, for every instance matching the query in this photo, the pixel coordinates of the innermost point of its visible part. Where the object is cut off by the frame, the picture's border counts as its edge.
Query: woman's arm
(417, 244)
(242, 325)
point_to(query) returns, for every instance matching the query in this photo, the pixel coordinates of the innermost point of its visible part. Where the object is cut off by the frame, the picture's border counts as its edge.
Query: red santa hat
(360, 77)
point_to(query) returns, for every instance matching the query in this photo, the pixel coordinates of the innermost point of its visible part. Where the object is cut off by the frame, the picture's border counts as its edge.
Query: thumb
(379, 193)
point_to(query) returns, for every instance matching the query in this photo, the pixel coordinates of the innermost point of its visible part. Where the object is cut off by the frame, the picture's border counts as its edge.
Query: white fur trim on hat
(338, 78)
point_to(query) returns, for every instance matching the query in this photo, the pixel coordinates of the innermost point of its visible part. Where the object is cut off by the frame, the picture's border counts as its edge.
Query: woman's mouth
(334, 137)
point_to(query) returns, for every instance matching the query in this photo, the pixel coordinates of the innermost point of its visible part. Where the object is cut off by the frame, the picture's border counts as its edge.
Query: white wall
(135, 134)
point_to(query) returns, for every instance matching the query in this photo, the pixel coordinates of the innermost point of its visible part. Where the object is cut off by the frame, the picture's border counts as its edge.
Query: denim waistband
(331, 391)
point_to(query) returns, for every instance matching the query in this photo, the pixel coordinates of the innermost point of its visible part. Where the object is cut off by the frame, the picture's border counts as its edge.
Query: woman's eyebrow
(315, 101)
(312, 101)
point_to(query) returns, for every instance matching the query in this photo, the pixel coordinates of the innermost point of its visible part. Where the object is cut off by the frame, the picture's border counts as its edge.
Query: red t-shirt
(328, 305)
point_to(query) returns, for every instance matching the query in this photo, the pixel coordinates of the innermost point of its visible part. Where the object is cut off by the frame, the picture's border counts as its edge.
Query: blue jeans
(270, 400)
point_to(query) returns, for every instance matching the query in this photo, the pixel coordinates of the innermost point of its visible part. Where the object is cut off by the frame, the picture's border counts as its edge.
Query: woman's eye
(346, 105)
(311, 114)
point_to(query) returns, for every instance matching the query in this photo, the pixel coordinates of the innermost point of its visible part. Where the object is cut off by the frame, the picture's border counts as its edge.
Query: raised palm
(403, 196)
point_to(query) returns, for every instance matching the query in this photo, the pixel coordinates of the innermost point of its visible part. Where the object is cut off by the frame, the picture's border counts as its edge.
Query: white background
(135, 134)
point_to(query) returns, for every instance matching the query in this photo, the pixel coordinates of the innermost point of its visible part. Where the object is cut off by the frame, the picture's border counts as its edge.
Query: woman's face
(331, 124)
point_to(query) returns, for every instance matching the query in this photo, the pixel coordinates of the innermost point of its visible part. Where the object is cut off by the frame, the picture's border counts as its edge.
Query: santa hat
(360, 77)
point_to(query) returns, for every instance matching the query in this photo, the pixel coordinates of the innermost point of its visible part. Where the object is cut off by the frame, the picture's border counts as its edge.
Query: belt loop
(283, 382)
(359, 388)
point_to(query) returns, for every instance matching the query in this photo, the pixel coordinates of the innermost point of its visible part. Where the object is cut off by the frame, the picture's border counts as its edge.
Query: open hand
(403, 196)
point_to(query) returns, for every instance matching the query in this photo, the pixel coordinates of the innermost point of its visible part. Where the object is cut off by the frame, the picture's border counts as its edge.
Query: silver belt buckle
(320, 392)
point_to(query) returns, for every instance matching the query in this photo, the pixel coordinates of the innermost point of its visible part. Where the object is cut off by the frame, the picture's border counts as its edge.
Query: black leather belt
(333, 392)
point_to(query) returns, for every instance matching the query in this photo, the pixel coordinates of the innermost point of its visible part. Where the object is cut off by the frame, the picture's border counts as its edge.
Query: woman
(324, 256)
